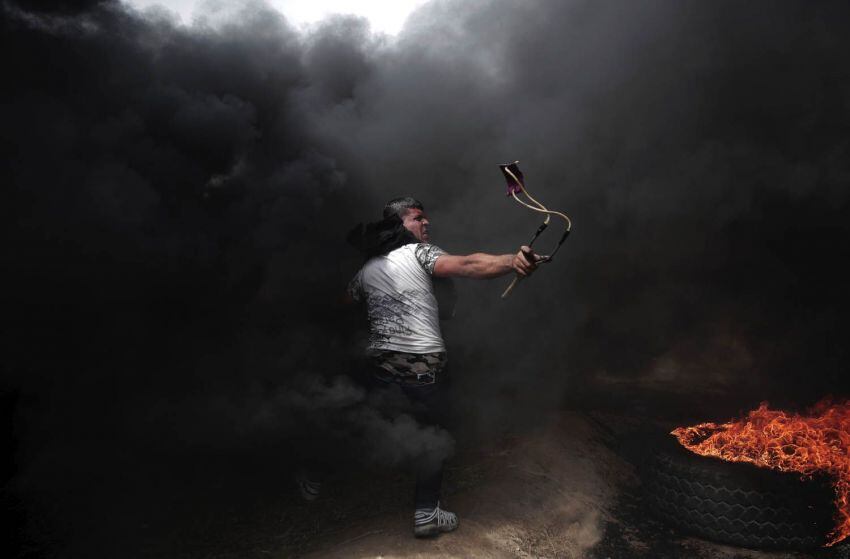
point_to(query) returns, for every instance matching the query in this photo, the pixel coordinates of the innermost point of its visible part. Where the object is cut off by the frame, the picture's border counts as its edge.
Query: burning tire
(738, 503)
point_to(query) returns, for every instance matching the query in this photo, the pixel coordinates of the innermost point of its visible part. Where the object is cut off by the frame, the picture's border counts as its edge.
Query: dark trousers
(429, 405)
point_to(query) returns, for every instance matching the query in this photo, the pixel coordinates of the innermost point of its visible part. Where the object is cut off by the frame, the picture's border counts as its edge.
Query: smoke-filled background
(176, 198)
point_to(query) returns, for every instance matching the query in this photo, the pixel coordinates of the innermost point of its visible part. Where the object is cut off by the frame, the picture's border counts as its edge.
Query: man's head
(412, 215)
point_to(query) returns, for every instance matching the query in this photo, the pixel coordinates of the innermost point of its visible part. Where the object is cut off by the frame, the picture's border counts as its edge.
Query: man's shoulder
(422, 255)
(405, 252)
(427, 254)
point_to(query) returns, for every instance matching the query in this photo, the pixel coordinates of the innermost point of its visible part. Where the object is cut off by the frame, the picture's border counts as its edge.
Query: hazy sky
(383, 16)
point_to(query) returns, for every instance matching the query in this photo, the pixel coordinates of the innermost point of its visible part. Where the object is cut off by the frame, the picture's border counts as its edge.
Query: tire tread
(738, 504)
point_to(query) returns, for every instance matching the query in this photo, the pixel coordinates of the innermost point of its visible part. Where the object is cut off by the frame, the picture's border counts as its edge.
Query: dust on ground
(569, 490)
(565, 489)
(545, 495)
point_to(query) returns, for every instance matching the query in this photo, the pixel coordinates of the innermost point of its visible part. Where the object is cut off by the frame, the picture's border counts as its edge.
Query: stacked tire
(737, 503)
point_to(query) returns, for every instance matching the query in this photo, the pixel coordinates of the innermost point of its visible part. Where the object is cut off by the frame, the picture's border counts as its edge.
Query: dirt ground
(567, 488)
(547, 495)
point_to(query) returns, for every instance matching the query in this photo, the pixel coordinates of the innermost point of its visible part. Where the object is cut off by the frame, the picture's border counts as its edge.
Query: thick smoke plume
(175, 202)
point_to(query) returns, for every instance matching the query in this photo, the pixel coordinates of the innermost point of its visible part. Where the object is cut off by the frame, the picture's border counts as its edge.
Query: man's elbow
(448, 268)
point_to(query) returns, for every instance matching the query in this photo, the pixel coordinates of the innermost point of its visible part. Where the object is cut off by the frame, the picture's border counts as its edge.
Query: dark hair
(397, 206)
(380, 237)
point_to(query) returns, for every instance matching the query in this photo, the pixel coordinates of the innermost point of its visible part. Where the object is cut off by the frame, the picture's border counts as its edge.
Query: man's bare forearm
(484, 266)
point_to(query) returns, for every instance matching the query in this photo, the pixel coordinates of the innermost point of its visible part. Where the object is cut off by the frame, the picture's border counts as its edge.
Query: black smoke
(176, 199)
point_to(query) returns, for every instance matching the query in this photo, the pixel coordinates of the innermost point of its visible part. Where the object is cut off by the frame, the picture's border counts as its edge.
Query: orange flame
(810, 443)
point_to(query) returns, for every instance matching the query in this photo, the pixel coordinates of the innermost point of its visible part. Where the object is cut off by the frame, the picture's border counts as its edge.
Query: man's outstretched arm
(485, 266)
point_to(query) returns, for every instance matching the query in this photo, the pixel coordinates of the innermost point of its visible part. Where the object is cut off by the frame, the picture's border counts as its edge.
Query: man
(405, 345)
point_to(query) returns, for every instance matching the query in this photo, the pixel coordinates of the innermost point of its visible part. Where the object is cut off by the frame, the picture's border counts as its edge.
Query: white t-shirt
(399, 295)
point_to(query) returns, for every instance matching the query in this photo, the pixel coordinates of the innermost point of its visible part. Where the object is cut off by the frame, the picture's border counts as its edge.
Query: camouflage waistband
(408, 368)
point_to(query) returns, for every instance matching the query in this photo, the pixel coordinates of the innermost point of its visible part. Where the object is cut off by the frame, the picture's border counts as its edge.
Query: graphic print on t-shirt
(399, 294)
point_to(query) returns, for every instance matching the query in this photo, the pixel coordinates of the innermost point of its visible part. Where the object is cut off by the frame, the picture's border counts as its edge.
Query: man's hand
(525, 261)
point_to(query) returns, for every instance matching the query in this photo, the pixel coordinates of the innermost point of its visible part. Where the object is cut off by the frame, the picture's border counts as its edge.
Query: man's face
(417, 223)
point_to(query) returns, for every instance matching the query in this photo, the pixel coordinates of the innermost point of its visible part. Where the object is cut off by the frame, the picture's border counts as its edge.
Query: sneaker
(309, 489)
(430, 522)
